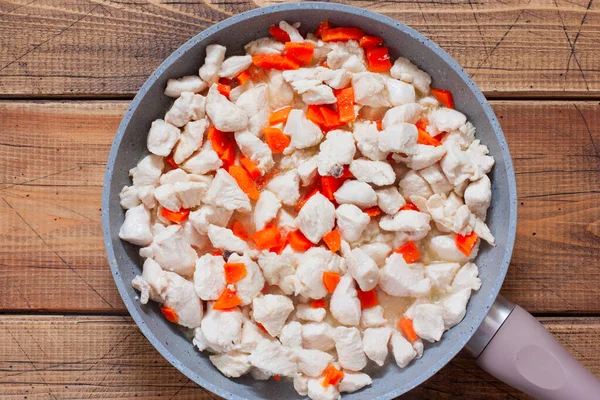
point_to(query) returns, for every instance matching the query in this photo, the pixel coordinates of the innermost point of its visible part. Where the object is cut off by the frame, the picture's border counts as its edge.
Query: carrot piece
(225, 90)
(263, 180)
(333, 240)
(341, 34)
(244, 181)
(410, 252)
(169, 314)
(283, 242)
(238, 230)
(379, 124)
(274, 61)
(262, 327)
(250, 167)
(276, 139)
(330, 185)
(323, 26)
(427, 139)
(346, 174)
(234, 272)
(256, 73)
(227, 300)
(219, 140)
(373, 211)
(443, 96)
(171, 162)
(324, 64)
(228, 156)
(298, 241)
(280, 116)
(406, 327)
(345, 104)
(367, 299)
(277, 377)
(409, 206)
(313, 113)
(267, 238)
(279, 34)
(307, 196)
(330, 118)
(225, 81)
(378, 59)
(301, 52)
(176, 216)
(320, 303)
(243, 77)
(422, 124)
(466, 243)
(369, 42)
(332, 376)
(331, 280)
(216, 253)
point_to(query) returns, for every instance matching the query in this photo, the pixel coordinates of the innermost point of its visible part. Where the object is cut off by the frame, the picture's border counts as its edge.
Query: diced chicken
(148, 171)
(286, 220)
(455, 307)
(307, 313)
(265, 45)
(233, 364)
(286, 187)
(215, 54)
(222, 330)
(399, 138)
(208, 215)
(360, 194)
(252, 335)
(190, 83)
(136, 227)
(372, 317)
(436, 179)
(401, 279)
(129, 197)
(367, 140)
(378, 251)
(445, 120)
(225, 192)
(309, 274)
(344, 304)
(301, 384)
(255, 149)
(317, 217)
(181, 111)
(441, 274)
(307, 170)
(409, 224)
(456, 164)
(190, 140)
(369, 89)
(260, 375)
(337, 78)
(280, 92)
(278, 270)
(406, 113)
(209, 277)
(167, 197)
(336, 151)
(317, 336)
(354, 381)
(444, 247)
(225, 115)
(400, 92)
(419, 348)
(291, 335)
(274, 358)
(316, 391)
(272, 311)
(266, 209)
(429, 322)
(317, 94)
(223, 238)
(312, 362)
(198, 241)
(153, 278)
(467, 277)
(379, 173)
(405, 70)
(444, 211)
(390, 200)
(402, 350)
(234, 65)
(291, 30)
(349, 347)
(173, 252)
(303, 133)
(425, 157)
(173, 176)
(351, 221)
(363, 269)
(189, 193)
(204, 161)
(254, 102)
(412, 184)
(162, 138)
(478, 196)
(250, 286)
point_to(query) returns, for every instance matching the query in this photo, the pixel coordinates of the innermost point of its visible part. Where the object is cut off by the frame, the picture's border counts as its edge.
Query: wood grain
(93, 48)
(82, 357)
(51, 169)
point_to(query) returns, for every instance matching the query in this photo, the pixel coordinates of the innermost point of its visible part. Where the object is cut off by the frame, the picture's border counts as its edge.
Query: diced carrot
(313, 113)
(243, 77)
(307, 196)
(320, 303)
(267, 238)
(330, 185)
(238, 230)
(341, 34)
(301, 52)
(280, 116)
(466, 243)
(225, 90)
(244, 181)
(427, 139)
(345, 104)
(262, 327)
(378, 59)
(409, 206)
(278, 248)
(333, 240)
(332, 376)
(279, 34)
(266, 178)
(406, 327)
(422, 124)
(176, 216)
(171, 162)
(249, 165)
(298, 241)
(227, 300)
(228, 156)
(276, 139)
(367, 299)
(373, 211)
(256, 73)
(225, 81)
(330, 118)
(379, 123)
(410, 252)
(169, 314)
(369, 42)
(331, 280)
(443, 96)
(216, 253)
(274, 61)
(277, 377)
(219, 140)
(346, 174)
(323, 26)
(234, 272)
(324, 64)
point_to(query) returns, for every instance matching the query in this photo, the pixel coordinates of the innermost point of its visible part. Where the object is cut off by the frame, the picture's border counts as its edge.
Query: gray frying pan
(505, 339)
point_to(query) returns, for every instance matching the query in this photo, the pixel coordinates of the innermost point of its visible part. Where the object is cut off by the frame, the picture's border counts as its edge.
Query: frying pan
(521, 352)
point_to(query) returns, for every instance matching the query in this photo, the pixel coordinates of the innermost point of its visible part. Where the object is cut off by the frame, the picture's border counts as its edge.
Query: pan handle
(514, 347)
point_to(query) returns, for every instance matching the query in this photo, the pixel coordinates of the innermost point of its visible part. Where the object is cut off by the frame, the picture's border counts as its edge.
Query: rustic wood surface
(63, 328)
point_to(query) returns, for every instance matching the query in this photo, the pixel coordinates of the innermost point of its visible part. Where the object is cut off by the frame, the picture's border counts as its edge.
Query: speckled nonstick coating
(150, 103)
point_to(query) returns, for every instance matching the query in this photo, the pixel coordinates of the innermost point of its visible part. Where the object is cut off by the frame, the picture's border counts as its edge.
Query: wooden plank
(51, 168)
(104, 48)
(107, 357)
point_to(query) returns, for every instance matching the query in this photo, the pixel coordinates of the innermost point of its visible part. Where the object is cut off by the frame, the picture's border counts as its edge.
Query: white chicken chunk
(274, 358)
(466, 277)
(401, 279)
(363, 269)
(309, 274)
(182, 110)
(286, 187)
(436, 179)
(167, 197)
(354, 381)
(455, 307)
(292, 32)
(478, 196)
(222, 330)
(234, 65)
(265, 45)
(198, 241)
(225, 192)
(412, 184)
(349, 347)
(175, 175)
(378, 251)
(233, 364)
(312, 362)
(344, 305)
(318, 94)
(404, 68)
(190, 83)
(316, 391)
(336, 151)
(215, 54)
(254, 102)
(351, 222)
(204, 161)
(400, 92)
(409, 224)
(225, 115)
(208, 215)
(318, 336)
(308, 313)
(255, 149)
(307, 170)
(390, 200)
(252, 335)
(441, 274)
(152, 277)
(189, 193)
(445, 120)
(266, 209)
(301, 384)
(280, 93)
(367, 135)
(406, 113)
(223, 238)
(425, 156)
(272, 311)
(360, 194)
(129, 197)
(146, 195)
(209, 277)
(286, 220)
(162, 137)
(136, 227)
(148, 171)
(316, 218)
(444, 247)
(379, 173)
(429, 322)
(372, 317)
(399, 138)
(369, 89)
(403, 351)
(190, 140)
(303, 133)
(173, 252)
(279, 270)
(291, 335)
(250, 286)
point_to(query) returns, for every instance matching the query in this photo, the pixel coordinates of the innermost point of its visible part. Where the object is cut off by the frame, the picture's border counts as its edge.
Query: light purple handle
(526, 356)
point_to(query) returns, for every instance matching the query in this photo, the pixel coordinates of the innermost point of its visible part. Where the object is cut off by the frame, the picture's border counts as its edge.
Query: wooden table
(68, 69)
